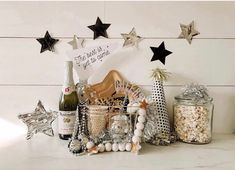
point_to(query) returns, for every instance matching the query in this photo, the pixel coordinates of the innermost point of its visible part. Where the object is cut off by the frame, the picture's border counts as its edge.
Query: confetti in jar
(193, 111)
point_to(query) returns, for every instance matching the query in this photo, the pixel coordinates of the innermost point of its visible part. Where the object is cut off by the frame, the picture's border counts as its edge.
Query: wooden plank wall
(26, 75)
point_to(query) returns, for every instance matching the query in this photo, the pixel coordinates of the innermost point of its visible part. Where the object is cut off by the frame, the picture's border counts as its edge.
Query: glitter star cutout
(76, 43)
(47, 42)
(38, 121)
(131, 39)
(188, 32)
(135, 148)
(160, 53)
(99, 29)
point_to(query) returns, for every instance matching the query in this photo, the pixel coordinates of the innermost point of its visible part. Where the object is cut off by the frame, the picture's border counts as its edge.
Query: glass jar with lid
(193, 115)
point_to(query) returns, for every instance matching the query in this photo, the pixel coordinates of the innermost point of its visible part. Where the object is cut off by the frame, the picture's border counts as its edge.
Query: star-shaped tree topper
(131, 39)
(76, 43)
(38, 121)
(47, 42)
(99, 29)
(188, 32)
(160, 53)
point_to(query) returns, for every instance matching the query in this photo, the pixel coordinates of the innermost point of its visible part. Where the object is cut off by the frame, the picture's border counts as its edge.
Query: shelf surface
(50, 153)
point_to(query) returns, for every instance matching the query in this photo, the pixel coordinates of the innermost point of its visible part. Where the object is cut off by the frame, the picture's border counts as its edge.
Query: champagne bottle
(67, 104)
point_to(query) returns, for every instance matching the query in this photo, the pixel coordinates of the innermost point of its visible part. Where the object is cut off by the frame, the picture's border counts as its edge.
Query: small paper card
(87, 60)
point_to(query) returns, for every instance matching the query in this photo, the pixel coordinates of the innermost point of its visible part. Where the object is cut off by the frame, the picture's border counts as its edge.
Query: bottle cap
(69, 64)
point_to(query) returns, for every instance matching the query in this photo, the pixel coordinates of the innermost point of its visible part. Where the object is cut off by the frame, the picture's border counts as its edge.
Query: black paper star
(99, 29)
(160, 53)
(47, 42)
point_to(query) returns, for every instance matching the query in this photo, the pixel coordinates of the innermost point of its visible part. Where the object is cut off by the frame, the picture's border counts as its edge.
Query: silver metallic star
(39, 121)
(76, 43)
(188, 32)
(131, 39)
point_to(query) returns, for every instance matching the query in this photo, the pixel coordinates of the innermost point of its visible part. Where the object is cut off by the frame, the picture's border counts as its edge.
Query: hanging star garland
(160, 53)
(99, 29)
(76, 43)
(47, 42)
(38, 121)
(131, 39)
(188, 32)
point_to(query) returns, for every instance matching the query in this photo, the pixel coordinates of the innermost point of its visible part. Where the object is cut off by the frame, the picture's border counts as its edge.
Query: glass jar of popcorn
(193, 115)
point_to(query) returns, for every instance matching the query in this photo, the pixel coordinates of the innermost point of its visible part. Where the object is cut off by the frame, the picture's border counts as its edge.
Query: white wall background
(26, 75)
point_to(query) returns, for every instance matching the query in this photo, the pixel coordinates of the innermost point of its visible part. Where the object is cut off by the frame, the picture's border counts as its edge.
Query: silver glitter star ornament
(131, 39)
(188, 32)
(39, 121)
(76, 43)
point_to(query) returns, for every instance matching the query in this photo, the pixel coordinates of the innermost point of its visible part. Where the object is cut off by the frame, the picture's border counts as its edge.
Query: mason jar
(97, 119)
(193, 119)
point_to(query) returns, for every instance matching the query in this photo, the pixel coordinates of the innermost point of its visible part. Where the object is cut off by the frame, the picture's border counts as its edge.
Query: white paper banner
(87, 60)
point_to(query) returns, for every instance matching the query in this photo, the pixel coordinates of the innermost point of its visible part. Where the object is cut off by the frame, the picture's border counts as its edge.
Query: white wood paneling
(208, 62)
(26, 75)
(24, 99)
(199, 62)
(151, 19)
(63, 19)
(16, 100)
(161, 19)
(22, 63)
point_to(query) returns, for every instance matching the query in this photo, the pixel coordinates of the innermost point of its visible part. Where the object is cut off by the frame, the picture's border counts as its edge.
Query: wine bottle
(68, 104)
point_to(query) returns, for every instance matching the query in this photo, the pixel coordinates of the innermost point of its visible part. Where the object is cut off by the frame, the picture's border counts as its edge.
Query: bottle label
(66, 121)
(68, 89)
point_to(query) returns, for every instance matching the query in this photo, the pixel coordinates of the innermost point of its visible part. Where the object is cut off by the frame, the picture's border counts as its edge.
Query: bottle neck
(68, 79)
